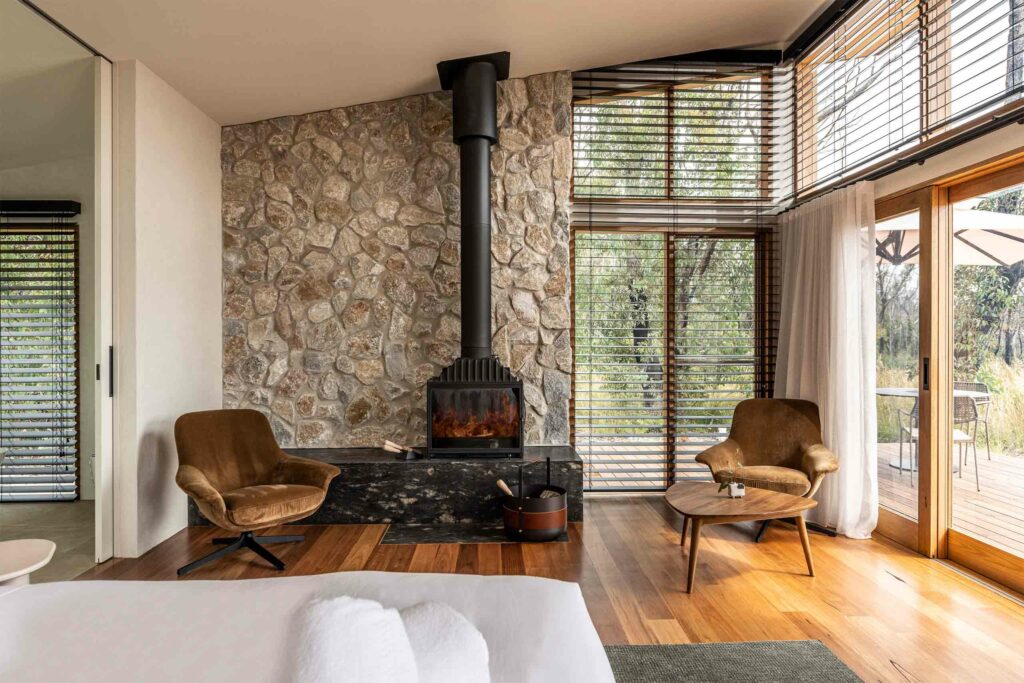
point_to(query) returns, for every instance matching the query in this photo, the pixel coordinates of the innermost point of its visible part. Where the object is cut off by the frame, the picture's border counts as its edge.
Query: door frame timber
(927, 534)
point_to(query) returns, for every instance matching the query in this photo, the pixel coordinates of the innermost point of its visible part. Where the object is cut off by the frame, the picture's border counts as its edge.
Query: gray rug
(774, 660)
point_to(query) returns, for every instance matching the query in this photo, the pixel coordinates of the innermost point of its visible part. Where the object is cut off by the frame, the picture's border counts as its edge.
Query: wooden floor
(995, 514)
(889, 614)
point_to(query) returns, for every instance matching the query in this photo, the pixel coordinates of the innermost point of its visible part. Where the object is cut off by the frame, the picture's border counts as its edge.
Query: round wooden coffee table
(701, 503)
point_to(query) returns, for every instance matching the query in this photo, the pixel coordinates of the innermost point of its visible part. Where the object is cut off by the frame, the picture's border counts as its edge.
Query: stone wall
(341, 263)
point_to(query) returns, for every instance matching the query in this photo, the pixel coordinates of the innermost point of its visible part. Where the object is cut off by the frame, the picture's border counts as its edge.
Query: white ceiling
(46, 91)
(245, 60)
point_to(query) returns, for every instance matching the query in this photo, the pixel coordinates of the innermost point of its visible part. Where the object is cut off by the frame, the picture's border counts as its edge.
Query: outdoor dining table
(910, 392)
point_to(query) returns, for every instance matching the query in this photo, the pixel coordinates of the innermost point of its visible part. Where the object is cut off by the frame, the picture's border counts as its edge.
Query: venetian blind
(897, 80)
(38, 362)
(678, 171)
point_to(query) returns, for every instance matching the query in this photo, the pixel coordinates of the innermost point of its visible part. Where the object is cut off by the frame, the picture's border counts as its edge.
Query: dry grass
(1006, 412)
(888, 424)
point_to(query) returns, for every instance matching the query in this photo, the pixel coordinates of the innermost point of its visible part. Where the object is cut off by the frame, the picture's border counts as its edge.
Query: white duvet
(112, 631)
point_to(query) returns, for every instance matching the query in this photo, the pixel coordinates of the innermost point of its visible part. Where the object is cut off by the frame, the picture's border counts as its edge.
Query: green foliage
(621, 294)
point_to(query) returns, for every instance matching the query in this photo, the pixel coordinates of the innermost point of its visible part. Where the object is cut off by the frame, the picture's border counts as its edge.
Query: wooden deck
(994, 515)
(620, 468)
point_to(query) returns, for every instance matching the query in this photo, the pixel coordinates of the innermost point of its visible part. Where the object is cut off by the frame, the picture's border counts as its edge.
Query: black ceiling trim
(39, 208)
(728, 57)
(825, 21)
(64, 29)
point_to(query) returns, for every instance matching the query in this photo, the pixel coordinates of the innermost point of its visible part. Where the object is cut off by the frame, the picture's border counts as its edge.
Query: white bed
(114, 631)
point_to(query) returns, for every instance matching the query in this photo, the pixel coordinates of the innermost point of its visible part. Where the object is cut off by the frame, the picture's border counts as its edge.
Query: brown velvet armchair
(775, 444)
(231, 466)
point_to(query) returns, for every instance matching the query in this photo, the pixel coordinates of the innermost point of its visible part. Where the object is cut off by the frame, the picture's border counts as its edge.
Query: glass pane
(716, 140)
(475, 418)
(858, 96)
(715, 351)
(620, 147)
(981, 55)
(619, 379)
(897, 300)
(988, 368)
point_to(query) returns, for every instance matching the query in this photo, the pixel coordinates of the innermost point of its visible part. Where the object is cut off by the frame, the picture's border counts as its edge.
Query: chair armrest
(817, 461)
(303, 471)
(192, 481)
(722, 458)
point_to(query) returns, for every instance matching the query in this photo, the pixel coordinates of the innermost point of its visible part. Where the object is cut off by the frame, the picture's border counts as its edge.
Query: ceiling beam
(826, 20)
(729, 57)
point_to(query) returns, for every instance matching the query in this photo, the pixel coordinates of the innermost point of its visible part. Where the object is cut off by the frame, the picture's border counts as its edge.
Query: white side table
(20, 558)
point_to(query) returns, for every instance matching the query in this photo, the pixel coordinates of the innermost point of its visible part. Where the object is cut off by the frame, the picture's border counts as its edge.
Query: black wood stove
(475, 406)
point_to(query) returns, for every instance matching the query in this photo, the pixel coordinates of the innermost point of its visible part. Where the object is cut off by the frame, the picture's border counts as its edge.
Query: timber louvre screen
(38, 362)
(678, 169)
(895, 81)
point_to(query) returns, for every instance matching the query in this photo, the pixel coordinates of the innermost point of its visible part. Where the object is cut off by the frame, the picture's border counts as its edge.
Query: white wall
(72, 179)
(168, 307)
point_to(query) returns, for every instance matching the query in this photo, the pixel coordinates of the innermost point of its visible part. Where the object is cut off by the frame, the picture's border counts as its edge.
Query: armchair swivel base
(245, 540)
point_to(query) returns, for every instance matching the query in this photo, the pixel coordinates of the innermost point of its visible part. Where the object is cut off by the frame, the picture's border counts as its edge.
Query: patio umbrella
(980, 238)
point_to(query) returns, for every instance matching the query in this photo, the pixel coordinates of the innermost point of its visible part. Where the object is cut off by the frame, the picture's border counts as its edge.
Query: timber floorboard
(890, 614)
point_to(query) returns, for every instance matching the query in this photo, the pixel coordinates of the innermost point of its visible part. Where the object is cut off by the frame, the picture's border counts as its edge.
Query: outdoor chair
(965, 415)
(983, 403)
(965, 434)
(908, 420)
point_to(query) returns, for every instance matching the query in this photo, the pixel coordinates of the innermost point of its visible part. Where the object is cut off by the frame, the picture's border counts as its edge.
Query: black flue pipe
(473, 82)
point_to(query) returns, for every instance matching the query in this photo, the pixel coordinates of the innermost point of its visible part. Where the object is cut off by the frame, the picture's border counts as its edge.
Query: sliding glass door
(986, 394)
(898, 351)
(905, 302)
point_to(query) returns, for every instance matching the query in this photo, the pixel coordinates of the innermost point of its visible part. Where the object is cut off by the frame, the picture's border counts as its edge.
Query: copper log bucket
(532, 518)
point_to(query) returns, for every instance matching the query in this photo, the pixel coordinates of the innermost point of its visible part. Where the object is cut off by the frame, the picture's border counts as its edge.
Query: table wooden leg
(805, 541)
(694, 543)
(686, 523)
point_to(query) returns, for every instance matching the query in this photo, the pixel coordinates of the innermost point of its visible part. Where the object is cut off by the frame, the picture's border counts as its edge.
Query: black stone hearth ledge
(346, 456)
(374, 488)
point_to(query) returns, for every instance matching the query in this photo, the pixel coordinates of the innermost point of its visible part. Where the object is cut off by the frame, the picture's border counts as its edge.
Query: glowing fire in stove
(465, 422)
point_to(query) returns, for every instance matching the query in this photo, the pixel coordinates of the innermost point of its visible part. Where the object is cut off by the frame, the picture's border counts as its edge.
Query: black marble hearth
(374, 488)
(405, 534)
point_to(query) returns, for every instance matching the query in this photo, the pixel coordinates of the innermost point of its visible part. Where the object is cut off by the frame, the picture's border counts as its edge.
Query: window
(677, 172)
(38, 362)
(668, 130)
(895, 79)
(858, 93)
(669, 336)
(620, 397)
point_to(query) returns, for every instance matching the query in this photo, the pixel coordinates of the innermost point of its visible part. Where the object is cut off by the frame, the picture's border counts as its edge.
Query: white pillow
(448, 648)
(351, 640)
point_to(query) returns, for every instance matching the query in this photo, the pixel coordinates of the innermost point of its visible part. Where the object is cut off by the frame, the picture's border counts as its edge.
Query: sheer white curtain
(827, 344)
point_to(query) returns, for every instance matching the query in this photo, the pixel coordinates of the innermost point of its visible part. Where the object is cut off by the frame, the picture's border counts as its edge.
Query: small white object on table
(21, 557)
